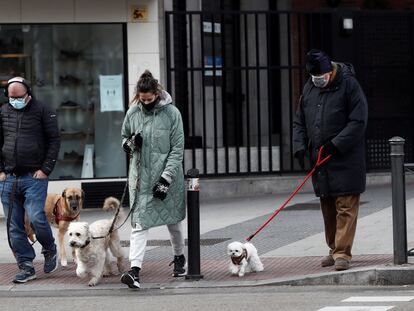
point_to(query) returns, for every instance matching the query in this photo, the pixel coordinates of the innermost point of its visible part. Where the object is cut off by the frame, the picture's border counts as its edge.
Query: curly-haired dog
(244, 258)
(61, 210)
(92, 241)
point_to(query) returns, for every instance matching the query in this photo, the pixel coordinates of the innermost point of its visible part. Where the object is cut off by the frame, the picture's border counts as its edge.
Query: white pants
(139, 238)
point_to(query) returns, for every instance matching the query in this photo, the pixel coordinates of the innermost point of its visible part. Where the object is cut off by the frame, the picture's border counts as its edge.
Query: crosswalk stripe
(378, 298)
(358, 308)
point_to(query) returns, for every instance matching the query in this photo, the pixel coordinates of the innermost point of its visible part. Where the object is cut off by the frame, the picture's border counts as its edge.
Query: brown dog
(60, 210)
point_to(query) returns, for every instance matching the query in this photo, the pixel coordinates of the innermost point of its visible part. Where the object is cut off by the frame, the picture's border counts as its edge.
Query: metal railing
(236, 77)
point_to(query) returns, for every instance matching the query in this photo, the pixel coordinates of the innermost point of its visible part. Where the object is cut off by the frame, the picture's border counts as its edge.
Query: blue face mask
(18, 103)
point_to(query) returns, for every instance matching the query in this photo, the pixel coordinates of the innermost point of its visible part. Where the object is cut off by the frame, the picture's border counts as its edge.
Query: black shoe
(50, 261)
(179, 266)
(131, 278)
(27, 273)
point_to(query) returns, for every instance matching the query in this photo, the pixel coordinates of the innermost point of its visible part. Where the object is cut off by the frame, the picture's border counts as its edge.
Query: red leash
(319, 162)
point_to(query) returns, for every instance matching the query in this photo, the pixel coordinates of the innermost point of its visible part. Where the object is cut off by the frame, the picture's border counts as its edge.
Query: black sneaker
(179, 266)
(27, 273)
(50, 261)
(131, 278)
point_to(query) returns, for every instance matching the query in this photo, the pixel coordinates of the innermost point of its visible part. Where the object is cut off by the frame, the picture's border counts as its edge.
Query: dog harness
(59, 216)
(237, 260)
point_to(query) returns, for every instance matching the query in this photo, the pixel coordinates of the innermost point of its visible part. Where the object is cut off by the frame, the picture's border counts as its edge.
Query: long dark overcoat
(336, 113)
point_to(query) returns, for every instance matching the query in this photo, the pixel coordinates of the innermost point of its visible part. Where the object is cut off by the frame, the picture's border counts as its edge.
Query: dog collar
(237, 260)
(86, 243)
(59, 216)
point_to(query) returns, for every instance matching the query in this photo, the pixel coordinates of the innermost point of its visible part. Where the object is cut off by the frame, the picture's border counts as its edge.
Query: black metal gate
(236, 77)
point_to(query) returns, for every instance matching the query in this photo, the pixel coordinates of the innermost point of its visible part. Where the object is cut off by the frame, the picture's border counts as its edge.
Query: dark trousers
(340, 217)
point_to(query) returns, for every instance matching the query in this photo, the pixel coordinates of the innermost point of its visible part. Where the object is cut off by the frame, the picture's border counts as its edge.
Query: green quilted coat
(161, 155)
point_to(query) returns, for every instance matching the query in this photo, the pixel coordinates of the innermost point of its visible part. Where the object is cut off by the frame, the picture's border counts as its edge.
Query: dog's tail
(112, 204)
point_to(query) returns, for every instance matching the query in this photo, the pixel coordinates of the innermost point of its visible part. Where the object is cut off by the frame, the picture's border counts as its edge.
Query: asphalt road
(236, 298)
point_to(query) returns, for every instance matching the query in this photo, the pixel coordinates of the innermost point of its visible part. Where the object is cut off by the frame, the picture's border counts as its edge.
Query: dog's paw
(63, 262)
(106, 274)
(241, 274)
(92, 283)
(234, 270)
(81, 273)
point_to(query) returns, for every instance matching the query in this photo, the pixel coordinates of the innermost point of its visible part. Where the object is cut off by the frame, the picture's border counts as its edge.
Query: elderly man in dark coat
(333, 113)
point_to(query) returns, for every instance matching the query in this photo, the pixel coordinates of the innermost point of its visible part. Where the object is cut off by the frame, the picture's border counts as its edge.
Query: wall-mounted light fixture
(25, 28)
(347, 25)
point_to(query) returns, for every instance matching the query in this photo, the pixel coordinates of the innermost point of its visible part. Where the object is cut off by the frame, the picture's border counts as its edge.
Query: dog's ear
(64, 193)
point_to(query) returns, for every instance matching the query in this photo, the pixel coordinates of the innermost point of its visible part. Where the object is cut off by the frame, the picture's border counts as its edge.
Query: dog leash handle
(319, 162)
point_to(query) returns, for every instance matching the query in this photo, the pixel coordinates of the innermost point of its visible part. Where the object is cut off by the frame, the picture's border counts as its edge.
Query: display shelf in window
(74, 108)
(74, 134)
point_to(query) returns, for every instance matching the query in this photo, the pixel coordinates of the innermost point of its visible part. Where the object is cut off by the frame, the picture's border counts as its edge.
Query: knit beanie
(318, 62)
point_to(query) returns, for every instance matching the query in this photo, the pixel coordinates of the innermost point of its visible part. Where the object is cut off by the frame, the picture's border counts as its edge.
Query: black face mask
(150, 106)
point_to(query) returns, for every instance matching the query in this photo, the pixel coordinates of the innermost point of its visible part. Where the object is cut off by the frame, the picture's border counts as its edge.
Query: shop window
(78, 70)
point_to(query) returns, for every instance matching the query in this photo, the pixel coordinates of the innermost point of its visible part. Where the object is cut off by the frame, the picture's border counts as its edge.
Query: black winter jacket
(337, 113)
(29, 138)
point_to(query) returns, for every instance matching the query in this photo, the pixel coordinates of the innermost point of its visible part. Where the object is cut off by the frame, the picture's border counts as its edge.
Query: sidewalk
(290, 247)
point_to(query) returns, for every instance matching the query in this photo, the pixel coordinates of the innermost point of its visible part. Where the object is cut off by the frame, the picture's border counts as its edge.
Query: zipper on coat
(18, 125)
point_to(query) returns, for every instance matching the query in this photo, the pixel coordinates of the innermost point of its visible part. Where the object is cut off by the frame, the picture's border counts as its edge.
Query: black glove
(160, 189)
(137, 140)
(300, 156)
(328, 149)
(134, 142)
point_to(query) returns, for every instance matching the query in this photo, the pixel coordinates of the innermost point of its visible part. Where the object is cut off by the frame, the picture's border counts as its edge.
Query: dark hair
(146, 84)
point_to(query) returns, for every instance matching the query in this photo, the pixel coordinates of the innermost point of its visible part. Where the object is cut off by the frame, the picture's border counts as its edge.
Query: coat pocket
(162, 140)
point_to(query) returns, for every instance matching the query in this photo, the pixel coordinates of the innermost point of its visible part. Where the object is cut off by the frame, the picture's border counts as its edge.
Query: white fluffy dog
(91, 243)
(244, 258)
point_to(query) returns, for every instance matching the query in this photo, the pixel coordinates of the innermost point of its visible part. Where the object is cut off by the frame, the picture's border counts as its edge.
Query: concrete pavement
(291, 246)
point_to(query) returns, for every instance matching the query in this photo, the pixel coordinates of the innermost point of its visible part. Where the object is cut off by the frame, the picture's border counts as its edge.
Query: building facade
(235, 69)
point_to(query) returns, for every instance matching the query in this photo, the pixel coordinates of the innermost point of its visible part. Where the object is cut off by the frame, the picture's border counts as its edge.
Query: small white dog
(91, 243)
(244, 258)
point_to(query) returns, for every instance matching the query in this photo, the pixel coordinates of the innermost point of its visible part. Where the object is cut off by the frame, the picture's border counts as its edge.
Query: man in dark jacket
(30, 142)
(333, 114)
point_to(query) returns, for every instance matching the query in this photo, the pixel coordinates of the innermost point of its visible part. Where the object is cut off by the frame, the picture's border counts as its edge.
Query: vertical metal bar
(258, 97)
(311, 30)
(236, 100)
(247, 94)
(223, 94)
(269, 101)
(213, 34)
(290, 89)
(193, 115)
(299, 17)
(321, 31)
(168, 52)
(203, 86)
(399, 218)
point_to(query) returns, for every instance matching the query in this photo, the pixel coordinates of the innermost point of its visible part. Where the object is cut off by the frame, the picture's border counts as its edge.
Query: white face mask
(321, 81)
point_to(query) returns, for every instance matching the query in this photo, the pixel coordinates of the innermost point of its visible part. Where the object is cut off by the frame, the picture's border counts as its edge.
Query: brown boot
(327, 261)
(341, 264)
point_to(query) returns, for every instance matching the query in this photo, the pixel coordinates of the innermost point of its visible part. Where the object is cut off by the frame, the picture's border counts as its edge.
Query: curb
(380, 276)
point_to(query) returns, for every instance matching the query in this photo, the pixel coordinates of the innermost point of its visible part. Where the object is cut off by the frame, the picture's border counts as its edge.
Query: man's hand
(39, 175)
(300, 156)
(3, 176)
(328, 149)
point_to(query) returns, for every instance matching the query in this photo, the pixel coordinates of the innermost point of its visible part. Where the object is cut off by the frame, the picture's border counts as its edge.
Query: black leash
(111, 229)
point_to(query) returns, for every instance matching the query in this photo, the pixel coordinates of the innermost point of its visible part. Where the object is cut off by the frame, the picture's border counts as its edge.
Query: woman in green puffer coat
(152, 135)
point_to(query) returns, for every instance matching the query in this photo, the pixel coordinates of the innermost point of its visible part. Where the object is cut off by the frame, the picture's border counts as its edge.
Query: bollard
(193, 225)
(399, 218)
